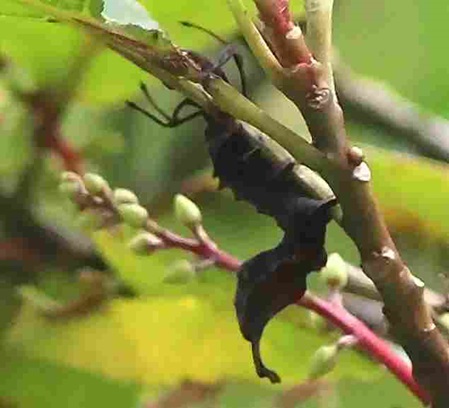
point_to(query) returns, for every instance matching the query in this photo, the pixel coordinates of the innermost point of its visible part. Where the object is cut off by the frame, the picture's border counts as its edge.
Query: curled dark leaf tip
(271, 375)
(261, 369)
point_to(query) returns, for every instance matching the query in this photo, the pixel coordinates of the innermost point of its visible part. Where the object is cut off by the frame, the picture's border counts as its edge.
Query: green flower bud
(94, 183)
(90, 220)
(70, 188)
(133, 215)
(335, 273)
(323, 361)
(181, 272)
(186, 211)
(145, 243)
(316, 321)
(123, 196)
(70, 176)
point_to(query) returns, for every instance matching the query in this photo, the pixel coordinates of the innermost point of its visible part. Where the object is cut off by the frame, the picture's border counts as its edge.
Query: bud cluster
(101, 206)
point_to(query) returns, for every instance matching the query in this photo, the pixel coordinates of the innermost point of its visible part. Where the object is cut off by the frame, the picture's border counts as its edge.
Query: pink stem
(71, 159)
(340, 317)
(374, 345)
(205, 249)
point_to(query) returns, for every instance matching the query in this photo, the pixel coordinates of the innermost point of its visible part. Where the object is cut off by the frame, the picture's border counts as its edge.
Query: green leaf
(36, 48)
(128, 12)
(140, 45)
(9, 301)
(12, 8)
(383, 29)
(385, 391)
(16, 145)
(415, 187)
(148, 335)
(15, 8)
(162, 340)
(31, 382)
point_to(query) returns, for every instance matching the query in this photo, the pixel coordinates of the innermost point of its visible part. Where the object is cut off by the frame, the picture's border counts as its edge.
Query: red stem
(340, 317)
(19, 249)
(47, 131)
(374, 345)
(275, 15)
(71, 159)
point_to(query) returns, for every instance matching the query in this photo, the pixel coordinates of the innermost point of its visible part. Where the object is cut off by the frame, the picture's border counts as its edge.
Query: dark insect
(276, 278)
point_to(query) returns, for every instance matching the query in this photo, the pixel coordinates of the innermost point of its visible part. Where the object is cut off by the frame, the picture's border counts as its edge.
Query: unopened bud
(316, 321)
(186, 211)
(335, 273)
(70, 188)
(90, 220)
(133, 214)
(70, 176)
(94, 183)
(323, 361)
(123, 196)
(145, 243)
(181, 272)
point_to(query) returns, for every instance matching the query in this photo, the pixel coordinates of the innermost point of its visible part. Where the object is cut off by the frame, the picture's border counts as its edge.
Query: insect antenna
(229, 52)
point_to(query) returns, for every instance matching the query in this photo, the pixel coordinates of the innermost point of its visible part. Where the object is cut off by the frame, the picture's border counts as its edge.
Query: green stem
(255, 41)
(234, 103)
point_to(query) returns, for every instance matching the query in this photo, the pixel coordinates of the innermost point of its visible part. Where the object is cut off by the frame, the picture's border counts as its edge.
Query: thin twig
(367, 340)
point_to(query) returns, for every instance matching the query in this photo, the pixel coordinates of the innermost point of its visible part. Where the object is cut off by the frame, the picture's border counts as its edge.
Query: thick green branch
(234, 103)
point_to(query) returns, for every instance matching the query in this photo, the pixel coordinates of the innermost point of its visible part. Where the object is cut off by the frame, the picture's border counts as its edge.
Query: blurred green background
(136, 349)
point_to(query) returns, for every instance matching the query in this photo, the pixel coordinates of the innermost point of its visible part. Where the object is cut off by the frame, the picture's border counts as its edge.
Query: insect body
(268, 180)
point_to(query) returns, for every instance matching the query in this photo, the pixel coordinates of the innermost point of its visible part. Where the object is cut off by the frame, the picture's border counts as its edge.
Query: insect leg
(152, 102)
(184, 103)
(225, 55)
(148, 114)
(228, 53)
(169, 121)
